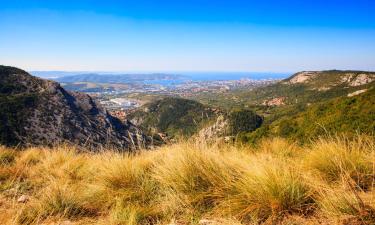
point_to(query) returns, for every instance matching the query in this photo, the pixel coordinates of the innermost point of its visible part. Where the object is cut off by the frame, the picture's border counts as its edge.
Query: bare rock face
(303, 77)
(332, 78)
(275, 101)
(40, 112)
(23, 199)
(357, 92)
(362, 79)
(218, 129)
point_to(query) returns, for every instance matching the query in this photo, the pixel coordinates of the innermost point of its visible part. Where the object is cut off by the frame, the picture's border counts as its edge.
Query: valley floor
(330, 181)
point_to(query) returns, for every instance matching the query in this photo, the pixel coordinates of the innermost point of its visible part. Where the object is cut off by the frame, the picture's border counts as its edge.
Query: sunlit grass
(277, 182)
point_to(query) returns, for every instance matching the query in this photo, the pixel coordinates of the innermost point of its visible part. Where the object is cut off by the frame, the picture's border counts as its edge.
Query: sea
(217, 76)
(182, 77)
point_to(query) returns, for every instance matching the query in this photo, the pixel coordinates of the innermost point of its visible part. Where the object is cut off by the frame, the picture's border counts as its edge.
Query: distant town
(120, 102)
(123, 93)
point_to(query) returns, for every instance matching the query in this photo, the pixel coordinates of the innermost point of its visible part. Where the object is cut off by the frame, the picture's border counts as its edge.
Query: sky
(191, 35)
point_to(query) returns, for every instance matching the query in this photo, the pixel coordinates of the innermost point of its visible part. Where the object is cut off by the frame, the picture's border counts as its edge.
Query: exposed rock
(362, 79)
(218, 129)
(324, 88)
(357, 93)
(275, 101)
(303, 77)
(47, 114)
(331, 78)
(121, 114)
(347, 78)
(23, 199)
(229, 139)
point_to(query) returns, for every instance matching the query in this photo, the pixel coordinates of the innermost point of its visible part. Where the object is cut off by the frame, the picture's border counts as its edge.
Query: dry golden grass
(330, 181)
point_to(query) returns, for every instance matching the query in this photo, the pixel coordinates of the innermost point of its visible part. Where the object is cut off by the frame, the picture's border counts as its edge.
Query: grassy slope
(331, 181)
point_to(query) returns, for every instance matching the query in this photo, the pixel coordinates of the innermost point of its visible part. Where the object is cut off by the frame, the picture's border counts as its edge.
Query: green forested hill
(342, 115)
(172, 116)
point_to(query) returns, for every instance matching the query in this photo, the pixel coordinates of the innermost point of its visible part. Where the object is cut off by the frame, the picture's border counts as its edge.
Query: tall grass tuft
(7, 156)
(268, 190)
(333, 158)
(196, 178)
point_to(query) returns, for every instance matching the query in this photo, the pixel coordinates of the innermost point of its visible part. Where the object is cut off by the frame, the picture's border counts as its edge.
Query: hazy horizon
(193, 75)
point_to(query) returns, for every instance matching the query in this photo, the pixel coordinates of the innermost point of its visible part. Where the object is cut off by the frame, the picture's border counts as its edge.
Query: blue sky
(235, 35)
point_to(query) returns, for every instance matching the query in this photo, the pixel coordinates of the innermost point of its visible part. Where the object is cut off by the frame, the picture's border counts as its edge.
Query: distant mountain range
(82, 76)
(68, 77)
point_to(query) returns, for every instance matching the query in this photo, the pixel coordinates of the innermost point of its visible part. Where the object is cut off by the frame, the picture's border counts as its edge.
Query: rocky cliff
(34, 111)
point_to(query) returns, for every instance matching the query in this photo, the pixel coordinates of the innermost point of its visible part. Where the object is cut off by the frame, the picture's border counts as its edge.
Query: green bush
(243, 121)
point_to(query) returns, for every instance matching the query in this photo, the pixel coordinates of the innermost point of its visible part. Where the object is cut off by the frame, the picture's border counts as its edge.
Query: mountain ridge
(41, 112)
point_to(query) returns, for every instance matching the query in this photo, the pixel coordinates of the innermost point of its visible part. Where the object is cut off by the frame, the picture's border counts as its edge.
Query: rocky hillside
(311, 104)
(306, 105)
(173, 117)
(326, 80)
(229, 125)
(302, 87)
(40, 112)
(312, 86)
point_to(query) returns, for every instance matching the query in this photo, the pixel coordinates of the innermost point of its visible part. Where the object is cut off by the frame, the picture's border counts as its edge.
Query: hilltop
(40, 112)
